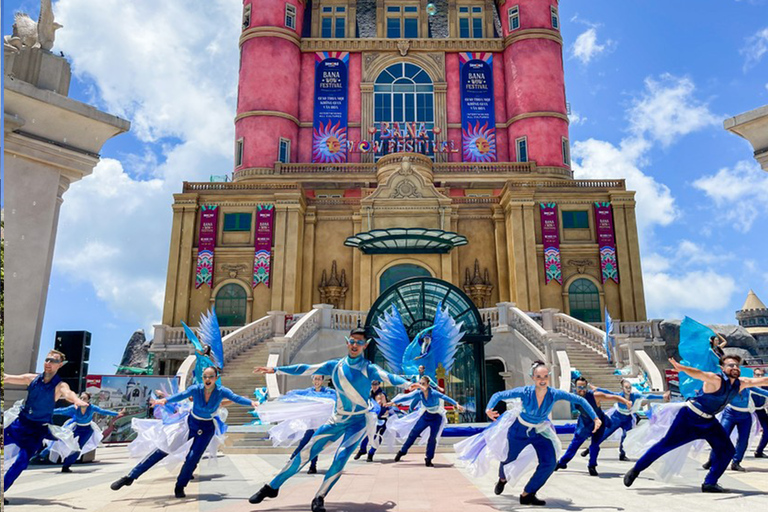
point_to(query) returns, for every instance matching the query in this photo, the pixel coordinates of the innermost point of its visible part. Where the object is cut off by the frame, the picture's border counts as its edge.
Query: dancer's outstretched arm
(497, 397)
(448, 399)
(711, 380)
(576, 399)
(25, 379)
(63, 391)
(231, 395)
(751, 382)
(325, 368)
(610, 397)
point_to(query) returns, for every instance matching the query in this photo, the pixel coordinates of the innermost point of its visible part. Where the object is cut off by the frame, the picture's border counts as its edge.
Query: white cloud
(740, 194)
(586, 47)
(755, 47)
(669, 295)
(576, 119)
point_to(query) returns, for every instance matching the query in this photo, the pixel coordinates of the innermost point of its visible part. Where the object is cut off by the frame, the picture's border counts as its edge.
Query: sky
(649, 85)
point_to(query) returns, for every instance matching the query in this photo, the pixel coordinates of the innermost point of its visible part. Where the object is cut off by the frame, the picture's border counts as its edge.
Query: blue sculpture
(209, 349)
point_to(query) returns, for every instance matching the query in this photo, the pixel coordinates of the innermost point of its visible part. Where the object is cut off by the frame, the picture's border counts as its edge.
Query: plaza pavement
(381, 486)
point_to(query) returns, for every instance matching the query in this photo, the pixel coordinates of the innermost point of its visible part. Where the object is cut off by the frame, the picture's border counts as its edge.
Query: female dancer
(83, 427)
(518, 428)
(191, 436)
(431, 416)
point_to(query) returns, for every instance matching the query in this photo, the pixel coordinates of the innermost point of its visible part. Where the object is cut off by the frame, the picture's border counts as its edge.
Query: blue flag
(608, 340)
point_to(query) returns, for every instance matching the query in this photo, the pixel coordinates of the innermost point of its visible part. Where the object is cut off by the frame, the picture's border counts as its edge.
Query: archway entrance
(584, 301)
(417, 299)
(397, 273)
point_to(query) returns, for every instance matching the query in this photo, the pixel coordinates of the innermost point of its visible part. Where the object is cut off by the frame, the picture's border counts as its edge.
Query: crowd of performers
(357, 415)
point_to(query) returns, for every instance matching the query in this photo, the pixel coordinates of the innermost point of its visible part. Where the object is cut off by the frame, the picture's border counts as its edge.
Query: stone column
(531, 259)
(622, 256)
(181, 269)
(356, 265)
(278, 322)
(308, 262)
(441, 120)
(366, 115)
(326, 312)
(502, 263)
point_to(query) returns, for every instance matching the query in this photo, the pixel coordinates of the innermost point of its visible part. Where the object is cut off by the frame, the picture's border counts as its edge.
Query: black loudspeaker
(76, 346)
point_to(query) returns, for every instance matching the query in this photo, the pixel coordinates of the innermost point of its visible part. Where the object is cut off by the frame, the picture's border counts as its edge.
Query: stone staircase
(594, 367)
(239, 377)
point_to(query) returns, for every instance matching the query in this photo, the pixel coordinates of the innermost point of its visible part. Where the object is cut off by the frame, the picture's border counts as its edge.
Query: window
(290, 16)
(522, 149)
(514, 18)
(555, 18)
(284, 151)
(239, 152)
(237, 222)
(576, 219)
(333, 21)
(402, 21)
(584, 301)
(231, 303)
(471, 22)
(566, 152)
(246, 16)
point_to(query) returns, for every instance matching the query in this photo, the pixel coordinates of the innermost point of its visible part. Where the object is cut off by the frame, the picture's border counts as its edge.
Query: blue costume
(696, 420)
(325, 392)
(738, 415)
(529, 429)
(382, 416)
(761, 411)
(210, 335)
(352, 379)
(622, 417)
(431, 418)
(202, 427)
(82, 428)
(584, 427)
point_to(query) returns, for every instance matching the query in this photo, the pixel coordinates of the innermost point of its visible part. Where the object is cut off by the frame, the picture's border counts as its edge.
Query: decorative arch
(247, 296)
(599, 305)
(410, 269)
(402, 261)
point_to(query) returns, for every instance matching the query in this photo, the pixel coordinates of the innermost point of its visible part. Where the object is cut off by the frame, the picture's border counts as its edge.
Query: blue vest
(758, 400)
(41, 399)
(713, 403)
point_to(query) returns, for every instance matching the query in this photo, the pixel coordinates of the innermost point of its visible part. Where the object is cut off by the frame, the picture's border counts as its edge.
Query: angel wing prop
(392, 339)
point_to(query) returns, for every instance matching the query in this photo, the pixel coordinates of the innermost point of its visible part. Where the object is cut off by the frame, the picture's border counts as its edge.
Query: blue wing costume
(210, 335)
(695, 351)
(404, 356)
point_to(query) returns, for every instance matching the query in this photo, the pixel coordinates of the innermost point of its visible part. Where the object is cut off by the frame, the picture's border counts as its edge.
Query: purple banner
(329, 125)
(265, 218)
(478, 117)
(606, 241)
(550, 237)
(206, 244)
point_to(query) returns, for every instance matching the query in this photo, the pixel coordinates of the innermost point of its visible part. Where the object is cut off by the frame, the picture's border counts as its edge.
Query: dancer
(522, 426)
(376, 390)
(738, 415)
(695, 419)
(431, 416)
(83, 427)
(27, 425)
(421, 375)
(761, 411)
(623, 416)
(191, 436)
(384, 411)
(585, 426)
(316, 391)
(351, 376)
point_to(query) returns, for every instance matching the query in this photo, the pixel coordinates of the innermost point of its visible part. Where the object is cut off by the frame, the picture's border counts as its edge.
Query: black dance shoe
(369, 458)
(124, 480)
(735, 466)
(560, 465)
(707, 464)
(318, 504)
(312, 469)
(5, 501)
(264, 492)
(584, 452)
(592, 471)
(358, 455)
(65, 469)
(398, 456)
(630, 477)
(624, 458)
(499, 487)
(179, 492)
(428, 463)
(712, 488)
(759, 455)
(531, 499)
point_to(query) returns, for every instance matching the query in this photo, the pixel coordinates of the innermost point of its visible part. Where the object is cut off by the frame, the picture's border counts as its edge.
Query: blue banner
(329, 127)
(478, 120)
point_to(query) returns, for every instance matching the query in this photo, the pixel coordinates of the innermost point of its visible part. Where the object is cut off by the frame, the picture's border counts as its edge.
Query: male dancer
(317, 390)
(351, 376)
(696, 420)
(383, 410)
(27, 432)
(585, 426)
(761, 411)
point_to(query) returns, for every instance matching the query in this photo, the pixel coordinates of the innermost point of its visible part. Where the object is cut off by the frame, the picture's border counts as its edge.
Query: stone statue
(46, 26)
(30, 34)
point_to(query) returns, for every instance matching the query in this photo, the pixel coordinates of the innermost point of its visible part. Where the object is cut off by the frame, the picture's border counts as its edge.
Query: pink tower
(268, 87)
(535, 86)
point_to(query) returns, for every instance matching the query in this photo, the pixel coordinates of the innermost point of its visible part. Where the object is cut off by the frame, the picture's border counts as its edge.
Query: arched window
(584, 299)
(231, 304)
(403, 93)
(397, 273)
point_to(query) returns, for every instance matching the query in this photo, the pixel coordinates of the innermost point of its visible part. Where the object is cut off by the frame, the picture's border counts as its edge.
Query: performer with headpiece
(209, 348)
(761, 414)
(351, 377)
(521, 435)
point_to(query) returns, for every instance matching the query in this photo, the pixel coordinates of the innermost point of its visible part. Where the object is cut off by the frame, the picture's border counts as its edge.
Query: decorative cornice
(533, 33)
(267, 113)
(280, 32)
(529, 115)
(391, 45)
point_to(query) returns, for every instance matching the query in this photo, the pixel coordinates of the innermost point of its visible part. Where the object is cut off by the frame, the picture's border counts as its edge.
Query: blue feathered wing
(210, 333)
(446, 336)
(392, 339)
(695, 351)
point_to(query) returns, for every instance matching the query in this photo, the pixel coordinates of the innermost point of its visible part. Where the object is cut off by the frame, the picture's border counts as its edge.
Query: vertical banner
(206, 244)
(606, 241)
(550, 237)
(265, 218)
(329, 127)
(478, 119)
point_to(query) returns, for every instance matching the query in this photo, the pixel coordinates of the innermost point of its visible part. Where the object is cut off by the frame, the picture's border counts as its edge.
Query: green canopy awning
(406, 241)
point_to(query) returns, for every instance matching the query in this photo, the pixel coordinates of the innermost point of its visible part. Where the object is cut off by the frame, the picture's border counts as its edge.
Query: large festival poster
(550, 237)
(478, 120)
(329, 127)
(265, 218)
(206, 245)
(606, 241)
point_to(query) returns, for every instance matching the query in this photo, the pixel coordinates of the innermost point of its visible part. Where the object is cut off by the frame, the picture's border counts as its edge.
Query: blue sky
(649, 84)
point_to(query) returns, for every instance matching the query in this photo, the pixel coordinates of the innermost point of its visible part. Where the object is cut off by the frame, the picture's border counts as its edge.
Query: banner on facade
(478, 119)
(550, 237)
(606, 241)
(206, 244)
(329, 127)
(265, 218)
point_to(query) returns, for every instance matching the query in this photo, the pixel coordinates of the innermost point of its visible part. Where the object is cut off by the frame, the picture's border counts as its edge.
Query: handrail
(532, 331)
(632, 329)
(654, 375)
(302, 332)
(176, 335)
(586, 334)
(490, 316)
(346, 320)
(243, 338)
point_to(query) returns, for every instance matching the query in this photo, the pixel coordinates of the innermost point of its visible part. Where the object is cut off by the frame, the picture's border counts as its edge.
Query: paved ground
(374, 487)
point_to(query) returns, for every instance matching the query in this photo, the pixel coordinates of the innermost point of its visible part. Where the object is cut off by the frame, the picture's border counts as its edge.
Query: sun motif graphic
(329, 143)
(479, 143)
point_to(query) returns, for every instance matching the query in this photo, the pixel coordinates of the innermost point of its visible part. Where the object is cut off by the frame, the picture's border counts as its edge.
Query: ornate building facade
(384, 139)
